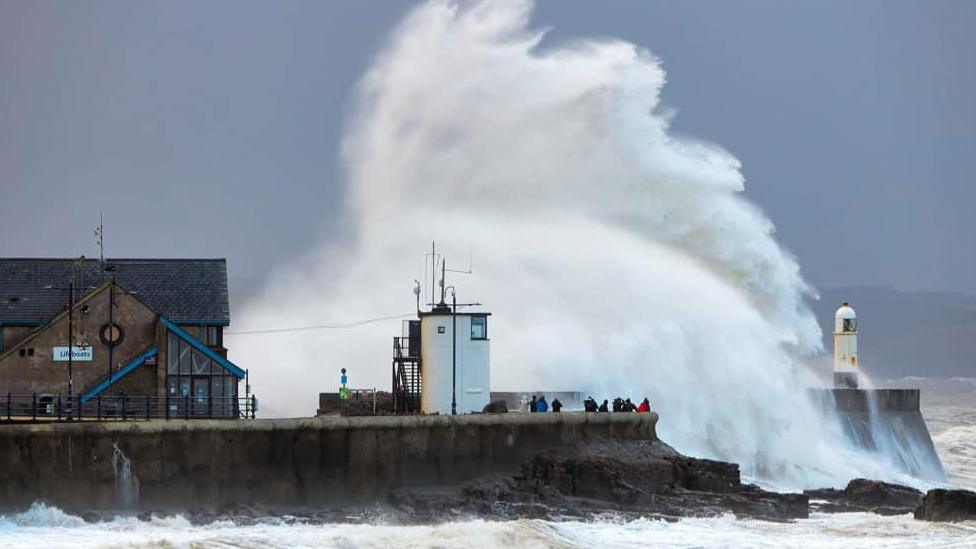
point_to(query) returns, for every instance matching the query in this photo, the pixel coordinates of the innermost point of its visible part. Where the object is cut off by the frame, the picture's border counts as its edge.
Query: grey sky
(212, 128)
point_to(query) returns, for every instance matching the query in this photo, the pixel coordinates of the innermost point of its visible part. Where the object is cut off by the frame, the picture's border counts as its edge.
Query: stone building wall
(41, 374)
(12, 335)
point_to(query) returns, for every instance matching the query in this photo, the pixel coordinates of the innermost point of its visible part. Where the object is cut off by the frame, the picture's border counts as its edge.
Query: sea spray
(126, 484)
(617, 257)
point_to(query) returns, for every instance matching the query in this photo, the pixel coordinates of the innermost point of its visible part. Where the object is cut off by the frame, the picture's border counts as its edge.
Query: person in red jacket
(644, 406)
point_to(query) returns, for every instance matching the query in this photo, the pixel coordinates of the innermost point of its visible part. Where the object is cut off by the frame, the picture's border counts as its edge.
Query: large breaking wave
(617, 258)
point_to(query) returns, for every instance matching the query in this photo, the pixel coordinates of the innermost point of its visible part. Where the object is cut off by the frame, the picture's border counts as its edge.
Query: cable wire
(322, 326)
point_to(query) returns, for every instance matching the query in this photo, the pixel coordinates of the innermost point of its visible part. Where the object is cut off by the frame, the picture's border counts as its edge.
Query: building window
(479, 327)
(213, 336)
(198, 386)
(30, 352)
(23, 352)
(850, 324)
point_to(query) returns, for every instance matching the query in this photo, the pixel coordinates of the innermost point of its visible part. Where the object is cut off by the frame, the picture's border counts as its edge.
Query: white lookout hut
(442, 362)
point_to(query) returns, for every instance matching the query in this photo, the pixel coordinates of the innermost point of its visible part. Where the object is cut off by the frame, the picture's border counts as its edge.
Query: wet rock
(496, 407)
(864, 495)
(650, 477)
(244, 510)
(586, 480)
(706, 475)
(947, 506)
(91, 517)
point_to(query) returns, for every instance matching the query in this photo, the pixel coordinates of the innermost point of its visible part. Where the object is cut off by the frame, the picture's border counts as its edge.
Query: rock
(584, 480)
(706, 475)
(496, 407)
(650, 477)
(864, 495)
(947, 506)
(91, 517)
(873, 493)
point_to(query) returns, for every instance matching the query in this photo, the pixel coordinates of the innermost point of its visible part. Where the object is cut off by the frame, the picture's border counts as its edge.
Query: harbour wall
(887, 422)
(284, 463)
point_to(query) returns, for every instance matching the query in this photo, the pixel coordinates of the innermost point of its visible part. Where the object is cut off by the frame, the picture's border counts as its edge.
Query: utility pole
(111, 326)
(71, 331)
(77, 269)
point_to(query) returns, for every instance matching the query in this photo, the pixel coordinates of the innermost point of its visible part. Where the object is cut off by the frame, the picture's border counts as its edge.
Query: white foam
(957, 448)
(40, 515)
(854, 530)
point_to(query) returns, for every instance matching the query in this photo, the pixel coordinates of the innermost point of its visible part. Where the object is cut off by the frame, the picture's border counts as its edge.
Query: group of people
(537, 405)
(540, 405)
(619, 405)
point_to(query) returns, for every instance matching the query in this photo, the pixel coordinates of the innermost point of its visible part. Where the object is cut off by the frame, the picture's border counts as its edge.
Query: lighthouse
(845, 347)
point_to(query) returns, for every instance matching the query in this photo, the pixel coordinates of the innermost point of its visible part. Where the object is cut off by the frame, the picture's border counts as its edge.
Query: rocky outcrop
(864, 495)
(496, 407)
(646, 478)
(947, 506)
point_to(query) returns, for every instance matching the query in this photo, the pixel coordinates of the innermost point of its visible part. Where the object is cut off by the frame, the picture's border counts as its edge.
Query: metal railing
(46, 407)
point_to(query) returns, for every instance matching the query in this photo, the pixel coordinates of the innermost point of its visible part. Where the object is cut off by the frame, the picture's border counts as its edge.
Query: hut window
(479, 327)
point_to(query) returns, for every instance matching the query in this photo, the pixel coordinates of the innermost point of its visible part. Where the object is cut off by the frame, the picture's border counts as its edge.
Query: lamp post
(453, 351)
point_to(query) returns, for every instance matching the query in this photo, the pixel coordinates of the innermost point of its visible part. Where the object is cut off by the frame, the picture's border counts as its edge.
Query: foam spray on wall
(126, 483)
(617, 258)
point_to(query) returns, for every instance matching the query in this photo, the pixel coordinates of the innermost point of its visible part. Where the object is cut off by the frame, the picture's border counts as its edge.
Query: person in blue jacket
(542, 405)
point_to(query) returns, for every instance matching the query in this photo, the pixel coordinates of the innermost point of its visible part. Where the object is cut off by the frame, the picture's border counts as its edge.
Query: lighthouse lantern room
(845, 347)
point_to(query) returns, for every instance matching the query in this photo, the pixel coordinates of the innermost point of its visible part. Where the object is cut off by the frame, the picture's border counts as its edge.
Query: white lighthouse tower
(845, 347)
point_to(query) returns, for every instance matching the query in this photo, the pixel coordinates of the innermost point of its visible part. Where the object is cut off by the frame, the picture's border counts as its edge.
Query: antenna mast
(100, 240)
(443, 279)
(433, 271)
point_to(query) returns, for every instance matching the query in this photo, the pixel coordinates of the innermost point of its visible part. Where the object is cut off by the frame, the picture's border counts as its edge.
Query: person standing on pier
(542, 405)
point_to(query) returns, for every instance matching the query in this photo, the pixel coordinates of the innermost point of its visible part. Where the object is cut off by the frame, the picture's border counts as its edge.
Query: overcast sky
(212, 128)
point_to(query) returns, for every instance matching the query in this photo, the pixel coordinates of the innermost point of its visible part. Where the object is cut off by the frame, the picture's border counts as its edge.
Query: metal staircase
(407, 370)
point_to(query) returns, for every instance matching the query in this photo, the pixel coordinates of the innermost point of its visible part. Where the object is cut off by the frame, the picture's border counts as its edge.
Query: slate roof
(183, 290)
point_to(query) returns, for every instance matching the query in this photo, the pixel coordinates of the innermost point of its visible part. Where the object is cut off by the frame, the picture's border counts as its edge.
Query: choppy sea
(949, 407)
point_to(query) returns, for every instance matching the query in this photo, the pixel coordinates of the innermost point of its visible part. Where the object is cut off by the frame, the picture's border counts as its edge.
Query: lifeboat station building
(147, 333)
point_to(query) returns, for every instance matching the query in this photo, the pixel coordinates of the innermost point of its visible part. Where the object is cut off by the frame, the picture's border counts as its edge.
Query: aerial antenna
(433, 270)
(100, 239)
(470, 264)
(443, 279)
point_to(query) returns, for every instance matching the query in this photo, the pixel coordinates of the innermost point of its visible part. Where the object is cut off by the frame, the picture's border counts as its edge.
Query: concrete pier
(280, 463)
(887, 422)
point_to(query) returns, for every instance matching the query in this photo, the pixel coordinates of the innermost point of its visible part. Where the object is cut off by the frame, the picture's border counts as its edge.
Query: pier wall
(887, 422)
(208, 465)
